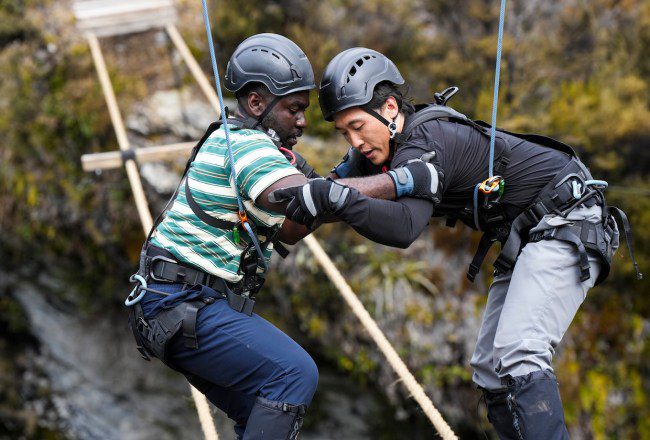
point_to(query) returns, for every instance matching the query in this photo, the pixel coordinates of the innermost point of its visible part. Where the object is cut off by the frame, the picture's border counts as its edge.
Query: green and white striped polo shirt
(259, 164)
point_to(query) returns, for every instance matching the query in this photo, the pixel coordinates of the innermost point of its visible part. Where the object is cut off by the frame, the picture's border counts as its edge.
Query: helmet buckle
(392, 128)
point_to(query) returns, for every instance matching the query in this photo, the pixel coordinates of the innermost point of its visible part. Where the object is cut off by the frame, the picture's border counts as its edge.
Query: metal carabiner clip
(131, 299)
(488, 186)
(578, 189)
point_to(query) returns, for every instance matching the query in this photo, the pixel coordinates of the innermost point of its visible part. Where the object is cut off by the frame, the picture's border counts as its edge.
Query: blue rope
(496, 87)
(215, 70)
(226, 129)
(495, 101)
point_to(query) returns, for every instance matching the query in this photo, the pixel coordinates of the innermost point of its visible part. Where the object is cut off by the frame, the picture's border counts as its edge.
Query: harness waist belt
(162, 267)
(557, 197)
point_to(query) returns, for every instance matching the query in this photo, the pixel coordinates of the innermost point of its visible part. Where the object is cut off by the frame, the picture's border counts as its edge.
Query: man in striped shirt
(202, 272)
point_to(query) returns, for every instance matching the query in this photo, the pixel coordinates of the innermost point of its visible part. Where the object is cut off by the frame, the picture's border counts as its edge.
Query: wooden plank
(123, 16)
(154, 16)
(113, 159)
(117, 27)
(93, 8)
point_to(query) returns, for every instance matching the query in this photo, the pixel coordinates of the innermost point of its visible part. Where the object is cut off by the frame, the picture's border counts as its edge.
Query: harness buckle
(153, 262)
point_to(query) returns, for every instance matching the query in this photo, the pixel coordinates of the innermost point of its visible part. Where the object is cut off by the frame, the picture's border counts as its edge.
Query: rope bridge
(128, 16)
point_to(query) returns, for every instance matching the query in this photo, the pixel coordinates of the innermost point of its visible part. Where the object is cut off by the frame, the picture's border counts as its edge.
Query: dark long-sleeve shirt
(462, 157)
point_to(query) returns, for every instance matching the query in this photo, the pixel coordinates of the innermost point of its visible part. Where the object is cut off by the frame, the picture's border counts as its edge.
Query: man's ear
(390, 108)
(256, 103)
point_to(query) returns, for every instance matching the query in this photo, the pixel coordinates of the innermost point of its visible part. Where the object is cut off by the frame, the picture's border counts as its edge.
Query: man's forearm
(391, 223)
(379, 186)
(292, 233)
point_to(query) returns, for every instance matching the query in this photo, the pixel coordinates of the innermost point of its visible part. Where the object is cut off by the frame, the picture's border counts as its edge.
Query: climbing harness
(152, 335)
(571, 187)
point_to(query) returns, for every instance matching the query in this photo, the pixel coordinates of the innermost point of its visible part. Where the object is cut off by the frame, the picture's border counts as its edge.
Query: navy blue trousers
(239, 357)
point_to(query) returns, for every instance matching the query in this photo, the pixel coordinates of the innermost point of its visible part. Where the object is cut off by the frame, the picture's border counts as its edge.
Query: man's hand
(418, 178)
(315, 198)
(349, 165)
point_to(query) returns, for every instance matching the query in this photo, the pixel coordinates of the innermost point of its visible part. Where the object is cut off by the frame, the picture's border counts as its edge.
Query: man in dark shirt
(432, 161)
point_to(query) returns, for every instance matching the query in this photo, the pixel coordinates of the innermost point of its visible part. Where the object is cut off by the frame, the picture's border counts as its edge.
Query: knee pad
(529, 408)
(273, 420)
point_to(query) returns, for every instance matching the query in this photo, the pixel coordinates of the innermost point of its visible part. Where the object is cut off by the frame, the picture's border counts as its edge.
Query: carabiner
(598, 184)
(578, 190)
(489, 185)
(132, 300)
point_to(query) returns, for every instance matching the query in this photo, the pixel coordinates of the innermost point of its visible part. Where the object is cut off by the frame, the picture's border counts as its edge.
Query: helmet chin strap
(392, 128)
(253, 123)
(268, 109)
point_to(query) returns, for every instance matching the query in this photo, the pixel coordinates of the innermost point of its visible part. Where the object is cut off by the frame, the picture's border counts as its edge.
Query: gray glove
(317, 197)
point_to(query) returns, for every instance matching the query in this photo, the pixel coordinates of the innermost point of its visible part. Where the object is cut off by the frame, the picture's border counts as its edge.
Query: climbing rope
(497, 74)
(495, 101)
(233, 172)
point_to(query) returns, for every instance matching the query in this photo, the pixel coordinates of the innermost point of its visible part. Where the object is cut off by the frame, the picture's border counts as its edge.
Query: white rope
(378, 336)
(202, 407)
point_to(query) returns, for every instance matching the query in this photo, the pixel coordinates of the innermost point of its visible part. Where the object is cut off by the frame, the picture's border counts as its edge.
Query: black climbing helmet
(350, 79)
(272, 60)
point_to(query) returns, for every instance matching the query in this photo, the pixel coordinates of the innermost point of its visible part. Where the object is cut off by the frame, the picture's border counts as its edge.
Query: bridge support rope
(202, 407)
(380, 339)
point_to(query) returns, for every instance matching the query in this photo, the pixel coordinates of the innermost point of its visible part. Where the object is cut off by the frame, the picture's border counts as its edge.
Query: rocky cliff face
(87, 381)
(576, 70)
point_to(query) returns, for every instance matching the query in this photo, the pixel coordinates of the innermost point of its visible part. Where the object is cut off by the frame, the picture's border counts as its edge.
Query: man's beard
(288, 137)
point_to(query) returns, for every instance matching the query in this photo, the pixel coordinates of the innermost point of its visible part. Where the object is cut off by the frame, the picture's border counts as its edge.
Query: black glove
(418, 178)
(317, 197)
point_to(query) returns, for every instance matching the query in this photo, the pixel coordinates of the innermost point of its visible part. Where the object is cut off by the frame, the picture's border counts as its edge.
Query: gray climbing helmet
(272, 60)
(350, 79)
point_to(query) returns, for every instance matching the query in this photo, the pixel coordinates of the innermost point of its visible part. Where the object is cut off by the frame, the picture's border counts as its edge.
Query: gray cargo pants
(529, 309)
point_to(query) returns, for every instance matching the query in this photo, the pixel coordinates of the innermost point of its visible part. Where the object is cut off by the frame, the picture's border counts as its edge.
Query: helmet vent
(351, 73)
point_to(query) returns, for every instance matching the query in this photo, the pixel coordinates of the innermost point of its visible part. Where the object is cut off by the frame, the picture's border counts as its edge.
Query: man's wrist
(403, 180)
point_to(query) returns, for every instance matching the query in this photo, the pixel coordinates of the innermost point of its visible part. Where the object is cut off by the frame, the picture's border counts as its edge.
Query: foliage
(579, 71)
